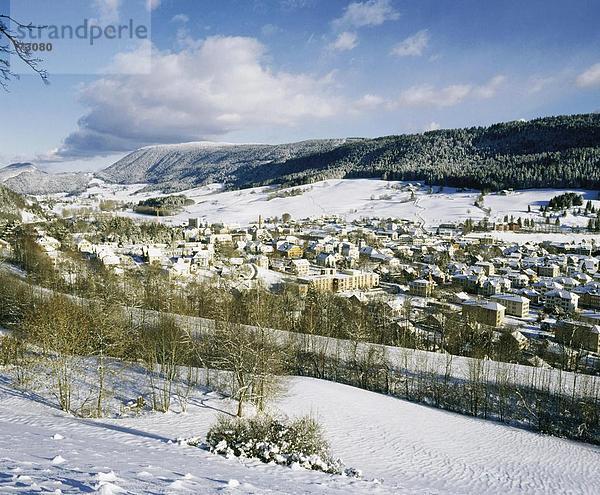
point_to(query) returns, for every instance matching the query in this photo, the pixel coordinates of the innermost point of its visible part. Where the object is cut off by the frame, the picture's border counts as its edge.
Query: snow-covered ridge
(26, 178)
(15, 169)
(193, 145)
(186, 165)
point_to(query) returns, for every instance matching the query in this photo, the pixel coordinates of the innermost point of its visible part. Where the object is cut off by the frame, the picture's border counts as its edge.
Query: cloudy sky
(285, 70)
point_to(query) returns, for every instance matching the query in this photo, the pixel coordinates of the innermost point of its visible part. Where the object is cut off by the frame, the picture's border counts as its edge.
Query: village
(300, 247)
(544, 297)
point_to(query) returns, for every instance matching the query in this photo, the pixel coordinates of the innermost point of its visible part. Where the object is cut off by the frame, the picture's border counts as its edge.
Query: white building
(300, 267)
(561, 299)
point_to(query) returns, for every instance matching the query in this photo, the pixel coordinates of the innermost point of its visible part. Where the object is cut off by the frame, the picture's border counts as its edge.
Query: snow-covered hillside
(26, 178)
(351, 198)
(180, 166)
(406, 447)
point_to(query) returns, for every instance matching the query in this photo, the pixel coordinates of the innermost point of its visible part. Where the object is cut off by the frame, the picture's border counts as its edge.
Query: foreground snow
(407, 447)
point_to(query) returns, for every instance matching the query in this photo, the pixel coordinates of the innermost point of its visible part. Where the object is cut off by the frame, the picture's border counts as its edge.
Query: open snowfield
(350, 198)
(408, 448)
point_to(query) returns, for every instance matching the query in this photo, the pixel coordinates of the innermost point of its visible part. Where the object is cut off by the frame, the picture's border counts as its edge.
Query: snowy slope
(26, 178)
(417, 449)
(409, 448)
(15, 169)
(185, 165)
(351, 198)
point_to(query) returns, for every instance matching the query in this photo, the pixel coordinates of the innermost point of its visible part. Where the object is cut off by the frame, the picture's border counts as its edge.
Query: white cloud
(108, 10)
(219, 85)
(538, 83)
(489, 89)
(294, 4)
(589, 77)
(368, 13)
(432, 126)
(181, 18)
(368, 102)
(124, 63)
(412, 46)
(346, 40)
(152, 4)
(428, 95)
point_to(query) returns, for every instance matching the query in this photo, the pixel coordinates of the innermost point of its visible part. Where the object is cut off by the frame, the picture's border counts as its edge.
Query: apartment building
(551, 270)
(343, 281)
(421, 287)
(515, 305)
(578, 334)
(562, 300)
(487, 313)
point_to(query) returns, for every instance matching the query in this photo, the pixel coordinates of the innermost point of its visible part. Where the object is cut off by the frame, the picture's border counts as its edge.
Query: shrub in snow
(298, 444)
(11, 349)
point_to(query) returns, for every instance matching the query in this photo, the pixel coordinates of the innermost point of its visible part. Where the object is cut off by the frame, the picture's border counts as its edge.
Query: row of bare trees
(547, 401)
(84, 345)
(252, 358)
(316, 314)
(66, 334)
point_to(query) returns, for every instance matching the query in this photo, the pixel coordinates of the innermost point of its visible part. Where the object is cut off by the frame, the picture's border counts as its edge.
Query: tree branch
(21, 50)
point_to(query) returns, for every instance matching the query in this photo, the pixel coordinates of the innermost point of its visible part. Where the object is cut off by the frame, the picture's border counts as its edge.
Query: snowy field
(350, 198)
(400, 447)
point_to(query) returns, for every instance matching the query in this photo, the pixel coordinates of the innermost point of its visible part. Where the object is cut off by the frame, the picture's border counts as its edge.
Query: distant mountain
(181, 166)
(561, 151)
(26, 178)
(15, 169)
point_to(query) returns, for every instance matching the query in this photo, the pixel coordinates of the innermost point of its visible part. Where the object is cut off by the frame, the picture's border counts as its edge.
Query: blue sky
(286, 70)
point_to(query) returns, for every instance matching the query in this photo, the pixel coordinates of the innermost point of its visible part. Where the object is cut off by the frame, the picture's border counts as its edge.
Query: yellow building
(515, 305)
(291, 251)
(346, 280)
(421, 287)
(577, 334)
(486, 313)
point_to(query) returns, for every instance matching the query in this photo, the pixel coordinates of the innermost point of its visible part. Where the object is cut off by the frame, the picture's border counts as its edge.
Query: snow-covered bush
(299, 443)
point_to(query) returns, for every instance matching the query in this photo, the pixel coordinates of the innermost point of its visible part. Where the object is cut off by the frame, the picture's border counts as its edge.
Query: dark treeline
(559, 151)
(566, 200)
(162, 206)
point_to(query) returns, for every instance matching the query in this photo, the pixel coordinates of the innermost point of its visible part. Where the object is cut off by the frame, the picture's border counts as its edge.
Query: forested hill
(559, 151)
(549, 152)
(11, 205)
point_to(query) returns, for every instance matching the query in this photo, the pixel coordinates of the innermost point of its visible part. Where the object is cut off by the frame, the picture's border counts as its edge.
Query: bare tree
(59, 329)
(108, 338)
(166, 346)
(188, 378)
(254, 358)
(11, 46)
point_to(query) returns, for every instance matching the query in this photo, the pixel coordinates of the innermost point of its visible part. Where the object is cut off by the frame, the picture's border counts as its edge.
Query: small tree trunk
(240, 409)
(100, 399)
